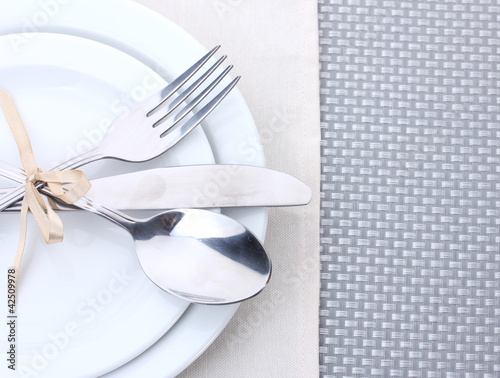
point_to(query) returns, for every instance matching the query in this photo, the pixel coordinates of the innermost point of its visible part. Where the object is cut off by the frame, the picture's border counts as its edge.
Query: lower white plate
(231, 132)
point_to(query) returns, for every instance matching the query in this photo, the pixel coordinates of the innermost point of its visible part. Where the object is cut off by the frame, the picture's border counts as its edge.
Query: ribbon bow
(49, 222)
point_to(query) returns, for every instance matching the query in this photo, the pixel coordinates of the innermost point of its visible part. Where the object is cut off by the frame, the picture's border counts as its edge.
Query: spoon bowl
(201, 256)
(197, 255)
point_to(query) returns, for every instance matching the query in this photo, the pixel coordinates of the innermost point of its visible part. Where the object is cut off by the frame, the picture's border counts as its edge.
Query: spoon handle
(115, 216)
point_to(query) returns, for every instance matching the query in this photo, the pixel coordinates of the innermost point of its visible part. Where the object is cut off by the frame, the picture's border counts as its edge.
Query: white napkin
(274, 47)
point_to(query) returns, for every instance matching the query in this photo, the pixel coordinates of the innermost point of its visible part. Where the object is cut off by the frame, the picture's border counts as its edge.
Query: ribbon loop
(48, 221)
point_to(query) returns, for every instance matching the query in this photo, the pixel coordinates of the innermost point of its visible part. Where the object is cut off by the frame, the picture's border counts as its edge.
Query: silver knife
(198, 186)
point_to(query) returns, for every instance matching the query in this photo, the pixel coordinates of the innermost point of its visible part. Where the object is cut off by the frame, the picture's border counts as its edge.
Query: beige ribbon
(49, 222)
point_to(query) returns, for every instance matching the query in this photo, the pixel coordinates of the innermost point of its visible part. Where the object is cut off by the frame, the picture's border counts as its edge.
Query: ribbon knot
(31, 178)
(48, 221)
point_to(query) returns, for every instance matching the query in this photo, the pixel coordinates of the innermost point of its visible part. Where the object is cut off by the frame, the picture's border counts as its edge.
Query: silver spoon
(198, 255)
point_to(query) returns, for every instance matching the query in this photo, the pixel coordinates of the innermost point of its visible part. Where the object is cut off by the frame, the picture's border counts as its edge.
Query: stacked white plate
(85, 307)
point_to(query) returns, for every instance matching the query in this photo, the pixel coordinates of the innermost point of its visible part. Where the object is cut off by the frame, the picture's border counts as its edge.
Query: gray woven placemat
(410, 188)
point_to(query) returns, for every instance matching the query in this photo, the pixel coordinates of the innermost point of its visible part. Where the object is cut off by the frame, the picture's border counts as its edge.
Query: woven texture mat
(410, 188)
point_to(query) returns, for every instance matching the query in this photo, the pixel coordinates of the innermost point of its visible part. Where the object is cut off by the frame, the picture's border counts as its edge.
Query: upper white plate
(230, 129)
(86, 297)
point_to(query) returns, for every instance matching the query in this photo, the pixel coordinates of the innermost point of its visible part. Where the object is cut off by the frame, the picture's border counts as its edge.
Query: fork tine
(184, 95)
(179, 132)
(170, 89)
(190, 106)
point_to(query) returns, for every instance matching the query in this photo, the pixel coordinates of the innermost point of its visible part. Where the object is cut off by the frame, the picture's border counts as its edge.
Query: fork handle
(12, 197)
(18, 193)
(80, 160)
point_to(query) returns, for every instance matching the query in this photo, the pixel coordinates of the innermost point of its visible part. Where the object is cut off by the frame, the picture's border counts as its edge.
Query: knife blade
(198, 186)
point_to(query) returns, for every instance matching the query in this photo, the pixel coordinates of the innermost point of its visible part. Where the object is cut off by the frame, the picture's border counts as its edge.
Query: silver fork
(146, 131)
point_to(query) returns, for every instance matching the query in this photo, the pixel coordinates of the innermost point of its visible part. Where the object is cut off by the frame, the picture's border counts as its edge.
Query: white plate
(231, 131)
(86, 297)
